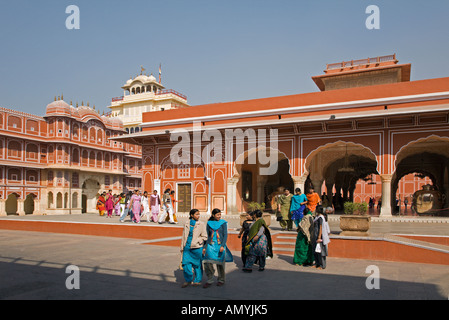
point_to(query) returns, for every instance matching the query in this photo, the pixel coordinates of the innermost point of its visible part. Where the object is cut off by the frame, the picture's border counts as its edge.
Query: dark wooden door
(184, 197)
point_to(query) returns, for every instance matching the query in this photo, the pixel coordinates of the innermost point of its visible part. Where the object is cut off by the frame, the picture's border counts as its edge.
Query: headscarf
(254, 230)
(306, 226)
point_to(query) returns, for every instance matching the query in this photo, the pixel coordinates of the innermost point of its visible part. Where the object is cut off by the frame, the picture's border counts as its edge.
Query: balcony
(138, 96)
(355, 64)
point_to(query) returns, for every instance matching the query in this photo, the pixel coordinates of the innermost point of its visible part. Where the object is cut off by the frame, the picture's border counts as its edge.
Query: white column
(2, 207)
(385, 210)
(20, 207)
(299, 182)
(232, 196)
(36, 206)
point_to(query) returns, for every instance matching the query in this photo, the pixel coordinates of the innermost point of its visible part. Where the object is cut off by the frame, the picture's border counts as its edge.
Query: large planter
(354, 225)
(265, 216)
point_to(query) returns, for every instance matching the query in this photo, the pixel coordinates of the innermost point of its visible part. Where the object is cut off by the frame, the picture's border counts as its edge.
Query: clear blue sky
(210, 50)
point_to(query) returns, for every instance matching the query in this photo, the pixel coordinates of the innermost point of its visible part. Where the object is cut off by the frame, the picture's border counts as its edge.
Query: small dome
(59, 107)
(152, 78)
(87, 113)
(142, 78)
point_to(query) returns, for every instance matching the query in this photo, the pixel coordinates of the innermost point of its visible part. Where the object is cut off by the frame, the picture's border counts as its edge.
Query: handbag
(318, 248)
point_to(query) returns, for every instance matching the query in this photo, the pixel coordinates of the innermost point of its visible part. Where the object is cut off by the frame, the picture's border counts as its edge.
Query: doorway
(184, 197)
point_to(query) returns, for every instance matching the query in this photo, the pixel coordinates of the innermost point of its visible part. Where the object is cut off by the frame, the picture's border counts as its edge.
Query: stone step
(417, 243)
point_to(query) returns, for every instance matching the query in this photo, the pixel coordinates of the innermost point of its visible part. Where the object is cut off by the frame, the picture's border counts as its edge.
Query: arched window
(50, 200)
(75, 156)
(99, 159)
(32, 151)
(50, 178)
(85, 158)
(14, 149)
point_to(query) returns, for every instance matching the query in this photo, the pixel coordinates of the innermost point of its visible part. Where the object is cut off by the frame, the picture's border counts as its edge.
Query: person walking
(303, 255)
(126, 208)
(122, 203)
(284, 202)
(244, 231)
(117, 204)
(173, 202)
(136, 206)
(101, 203)
(109, 204)
(192, 242)
(321, 233)
(299, 201)
(215, 250)
(155, 204)
(145, 205)
(167, 208)
(313, 199)
(259, 244)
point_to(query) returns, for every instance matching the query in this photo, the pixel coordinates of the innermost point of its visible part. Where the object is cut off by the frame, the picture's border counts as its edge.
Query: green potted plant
(355, 221)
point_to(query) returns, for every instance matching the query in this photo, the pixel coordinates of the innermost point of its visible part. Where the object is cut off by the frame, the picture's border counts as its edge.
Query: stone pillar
(2, 207)
(299, 183)
(232, 196)
(329, 186)
(385, 210)
(261, 180)
(317, 186)
(20, 207)
(37, 203)
(446, 187)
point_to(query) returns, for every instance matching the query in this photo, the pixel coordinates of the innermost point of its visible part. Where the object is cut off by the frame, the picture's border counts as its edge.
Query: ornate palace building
(144, 94)
(368, 126)
(59, 163)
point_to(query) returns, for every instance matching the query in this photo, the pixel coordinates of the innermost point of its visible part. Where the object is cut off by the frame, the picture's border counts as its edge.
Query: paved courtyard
(117, 268)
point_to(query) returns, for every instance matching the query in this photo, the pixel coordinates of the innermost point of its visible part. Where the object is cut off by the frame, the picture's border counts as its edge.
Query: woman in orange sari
(101, 204)
(313, 199)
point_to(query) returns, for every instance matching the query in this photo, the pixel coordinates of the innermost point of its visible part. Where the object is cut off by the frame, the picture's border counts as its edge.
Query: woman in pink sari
(135, 206)
(155, 204)
(109, 204)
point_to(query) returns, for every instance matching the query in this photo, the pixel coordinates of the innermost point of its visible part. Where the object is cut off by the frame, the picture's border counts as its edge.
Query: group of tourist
(310, 218)
(204, 244)
(312, 241)
(138, 205)
(290, 208)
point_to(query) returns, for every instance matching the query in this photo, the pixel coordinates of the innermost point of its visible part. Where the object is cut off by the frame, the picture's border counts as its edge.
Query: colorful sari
(263, 246)
(312, 201)
(155, 203)
(101, 205)
(136, 207)
(296, 208)
(304, 249)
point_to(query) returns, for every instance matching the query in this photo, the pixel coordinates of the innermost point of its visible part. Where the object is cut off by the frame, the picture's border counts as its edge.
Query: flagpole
(160, 73)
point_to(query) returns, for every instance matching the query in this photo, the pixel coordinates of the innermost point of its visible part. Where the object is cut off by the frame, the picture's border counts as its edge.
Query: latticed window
(184, 171)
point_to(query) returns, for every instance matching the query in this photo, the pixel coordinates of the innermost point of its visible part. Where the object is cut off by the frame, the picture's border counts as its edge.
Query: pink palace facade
(58, 163)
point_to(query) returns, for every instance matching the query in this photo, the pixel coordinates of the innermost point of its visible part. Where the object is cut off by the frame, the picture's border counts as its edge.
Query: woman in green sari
(258, 244)
(303, 249)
